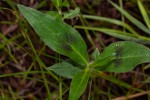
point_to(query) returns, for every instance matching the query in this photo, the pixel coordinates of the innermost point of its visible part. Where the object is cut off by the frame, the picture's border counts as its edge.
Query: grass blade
(113, 21)
(144, 13)
(131, 18)
(117, 81)
(118, 34)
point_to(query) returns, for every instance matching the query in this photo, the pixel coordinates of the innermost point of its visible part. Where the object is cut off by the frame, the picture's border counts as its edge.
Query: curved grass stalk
(136, 22)
(118, 34)
(113, 21)
(144, 13)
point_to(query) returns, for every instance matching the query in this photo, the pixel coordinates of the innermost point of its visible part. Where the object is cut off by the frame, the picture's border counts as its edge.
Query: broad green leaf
(144, 13)
(57, 35)
(95, 53)
(57, 3)
(131, 18)
(128, 56)
(78, 84)
(65, 69)
(72, 13)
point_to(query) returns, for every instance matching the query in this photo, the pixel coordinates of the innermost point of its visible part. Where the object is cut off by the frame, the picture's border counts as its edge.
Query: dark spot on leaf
(67, 41)
(119, 53)
(70, 38)
(66, 47)
(117, 62)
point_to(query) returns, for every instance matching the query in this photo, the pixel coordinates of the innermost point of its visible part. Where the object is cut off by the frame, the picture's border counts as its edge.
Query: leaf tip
(19, 6)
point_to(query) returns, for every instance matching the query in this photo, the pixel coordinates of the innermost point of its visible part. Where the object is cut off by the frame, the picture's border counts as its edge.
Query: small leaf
(102, 61)
(95, 53)
(57, 35)
(54, 14)
(78, 84)
(128, 56)
(117, 81)
(72, 13)
(65, 69)
(57, 3)
(65, 4)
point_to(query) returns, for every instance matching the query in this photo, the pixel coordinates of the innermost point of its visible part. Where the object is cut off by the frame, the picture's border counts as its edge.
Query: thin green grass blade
(42, 67)
(118, 34)
(20, 74)
(144, 13)
(116, 81)
(13, 94)
(87, 33)
(6, 41)
(113, 21)
(36, 54)
(131, 18)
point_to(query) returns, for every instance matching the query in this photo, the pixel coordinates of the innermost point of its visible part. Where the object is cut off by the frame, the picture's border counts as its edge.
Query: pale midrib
(86, 71)
(77, 52)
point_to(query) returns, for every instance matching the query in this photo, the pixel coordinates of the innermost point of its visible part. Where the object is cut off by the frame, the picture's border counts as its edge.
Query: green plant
(118, 57)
